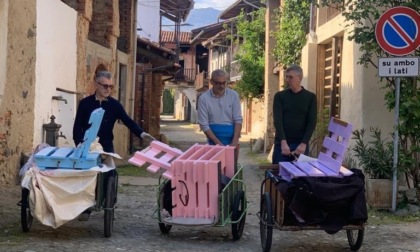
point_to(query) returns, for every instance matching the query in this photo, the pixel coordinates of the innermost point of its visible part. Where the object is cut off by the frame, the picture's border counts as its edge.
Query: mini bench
(158, 155)
(73, 158)
(329, 162)
(196, 178)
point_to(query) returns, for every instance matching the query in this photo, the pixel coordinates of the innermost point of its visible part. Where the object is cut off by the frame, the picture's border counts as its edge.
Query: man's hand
(285, 149)
(144, 134)
(234, 143)
(300, 149)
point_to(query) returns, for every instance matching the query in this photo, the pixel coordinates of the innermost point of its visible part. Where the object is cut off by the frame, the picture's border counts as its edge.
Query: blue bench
(73, 158)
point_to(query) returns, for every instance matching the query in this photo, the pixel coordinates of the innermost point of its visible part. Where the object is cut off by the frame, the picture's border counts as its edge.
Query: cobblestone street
(135, 229)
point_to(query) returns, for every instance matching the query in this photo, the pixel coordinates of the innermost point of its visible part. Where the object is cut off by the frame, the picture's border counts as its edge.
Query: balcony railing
(185, 75)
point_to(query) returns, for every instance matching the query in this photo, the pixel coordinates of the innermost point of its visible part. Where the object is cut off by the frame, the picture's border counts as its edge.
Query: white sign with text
(398, 67)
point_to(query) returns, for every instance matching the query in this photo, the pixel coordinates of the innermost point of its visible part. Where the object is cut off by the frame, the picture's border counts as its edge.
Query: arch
(191, 94)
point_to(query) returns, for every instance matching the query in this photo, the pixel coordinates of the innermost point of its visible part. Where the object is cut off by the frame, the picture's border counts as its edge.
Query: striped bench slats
(329, 162)
(195, 178)
(73, 158)
(291, 169)
(158, 155)
(309, 170)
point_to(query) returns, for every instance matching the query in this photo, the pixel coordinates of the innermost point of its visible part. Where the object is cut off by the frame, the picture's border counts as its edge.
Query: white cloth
(58, 196)
(31, 159)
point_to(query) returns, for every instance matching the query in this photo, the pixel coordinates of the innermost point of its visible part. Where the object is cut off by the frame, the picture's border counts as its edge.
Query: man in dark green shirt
(294, 115)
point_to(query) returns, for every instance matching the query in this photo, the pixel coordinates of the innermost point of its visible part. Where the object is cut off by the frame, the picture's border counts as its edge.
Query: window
(329, 77)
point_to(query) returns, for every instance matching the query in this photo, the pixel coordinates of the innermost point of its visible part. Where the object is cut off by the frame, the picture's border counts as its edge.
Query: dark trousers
(278, 157)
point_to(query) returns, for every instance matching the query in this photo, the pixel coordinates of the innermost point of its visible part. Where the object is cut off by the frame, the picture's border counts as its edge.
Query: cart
(315, 194)
(200, 187)
(52, 160)
(105, 197)
(273, 215)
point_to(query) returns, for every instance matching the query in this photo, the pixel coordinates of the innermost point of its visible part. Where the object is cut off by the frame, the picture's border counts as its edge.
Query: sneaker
(84, 216)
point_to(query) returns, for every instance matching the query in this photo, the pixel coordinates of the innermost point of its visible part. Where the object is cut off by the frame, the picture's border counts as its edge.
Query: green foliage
(134, 171)
(251, 41)
(361, 18)
(168, 102)
(321, 130)
(384, 218)
(293, 21)
(375, 156)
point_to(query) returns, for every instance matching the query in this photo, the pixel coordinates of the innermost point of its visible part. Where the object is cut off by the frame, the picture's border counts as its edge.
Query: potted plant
(375, 157)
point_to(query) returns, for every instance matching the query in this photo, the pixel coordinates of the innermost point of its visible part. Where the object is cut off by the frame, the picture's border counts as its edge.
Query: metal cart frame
(232, 204)
(271, 215)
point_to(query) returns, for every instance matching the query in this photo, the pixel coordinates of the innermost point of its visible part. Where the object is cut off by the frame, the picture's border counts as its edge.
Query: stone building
(50, 50)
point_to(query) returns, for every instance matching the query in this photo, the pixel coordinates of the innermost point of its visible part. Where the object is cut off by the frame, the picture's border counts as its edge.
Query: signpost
(397, 33)
(399, 67)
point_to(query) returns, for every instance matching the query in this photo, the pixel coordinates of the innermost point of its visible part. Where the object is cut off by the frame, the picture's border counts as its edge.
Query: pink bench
(195, 178)
(158, 155)
(329, 161)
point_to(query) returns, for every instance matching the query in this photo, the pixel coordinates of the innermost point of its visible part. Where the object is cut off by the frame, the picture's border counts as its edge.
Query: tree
(250, 37)
(293, 26)
(362, 16)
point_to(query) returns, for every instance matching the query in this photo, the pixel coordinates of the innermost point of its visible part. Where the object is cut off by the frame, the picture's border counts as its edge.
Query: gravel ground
(135, 229)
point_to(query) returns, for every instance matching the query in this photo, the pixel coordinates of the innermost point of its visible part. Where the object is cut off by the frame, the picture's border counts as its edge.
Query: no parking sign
(397, 31)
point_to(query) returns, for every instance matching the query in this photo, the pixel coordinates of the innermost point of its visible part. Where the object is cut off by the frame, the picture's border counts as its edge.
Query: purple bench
(329, 161)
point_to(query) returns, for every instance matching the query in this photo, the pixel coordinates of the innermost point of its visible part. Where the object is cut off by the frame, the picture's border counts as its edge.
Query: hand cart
(200, 187)
(105, 197)
(80, 158)
(274, 214)
(315, 194)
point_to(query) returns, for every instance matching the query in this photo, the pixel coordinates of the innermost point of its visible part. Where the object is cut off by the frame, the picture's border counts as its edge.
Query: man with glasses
(113, 111)
(294, 117)
(219, 112)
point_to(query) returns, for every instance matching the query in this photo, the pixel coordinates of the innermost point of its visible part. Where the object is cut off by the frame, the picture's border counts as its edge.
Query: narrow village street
(135, 229)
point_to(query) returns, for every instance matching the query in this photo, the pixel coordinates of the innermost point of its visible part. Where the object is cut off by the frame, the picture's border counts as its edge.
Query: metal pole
(395, 160)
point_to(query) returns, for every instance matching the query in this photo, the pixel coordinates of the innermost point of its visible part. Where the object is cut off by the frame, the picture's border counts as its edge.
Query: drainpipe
(311, 16)
(143, 79)
(133, 92)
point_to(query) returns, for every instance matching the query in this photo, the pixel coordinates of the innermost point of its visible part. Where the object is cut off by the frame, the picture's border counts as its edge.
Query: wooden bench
(158, 155)
(73, 158)
(195, 178)
(329, 162)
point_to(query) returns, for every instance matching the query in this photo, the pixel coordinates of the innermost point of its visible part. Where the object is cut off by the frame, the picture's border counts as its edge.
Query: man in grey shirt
(219, 112)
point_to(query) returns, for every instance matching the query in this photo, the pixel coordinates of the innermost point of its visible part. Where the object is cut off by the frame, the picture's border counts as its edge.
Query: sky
(216, 4)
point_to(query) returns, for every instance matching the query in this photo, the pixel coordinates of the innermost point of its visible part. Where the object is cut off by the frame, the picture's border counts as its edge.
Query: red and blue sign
(398, 31)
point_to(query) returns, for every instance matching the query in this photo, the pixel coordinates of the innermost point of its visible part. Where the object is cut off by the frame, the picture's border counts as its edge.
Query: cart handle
(271, 176)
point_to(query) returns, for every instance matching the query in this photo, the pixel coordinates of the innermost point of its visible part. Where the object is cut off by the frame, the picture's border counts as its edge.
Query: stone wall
(17, 103)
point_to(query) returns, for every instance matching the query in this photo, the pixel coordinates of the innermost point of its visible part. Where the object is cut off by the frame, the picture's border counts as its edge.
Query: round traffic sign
(397, 31)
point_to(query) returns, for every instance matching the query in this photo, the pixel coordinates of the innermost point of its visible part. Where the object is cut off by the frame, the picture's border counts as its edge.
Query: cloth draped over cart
(60, 195)
(326, 201)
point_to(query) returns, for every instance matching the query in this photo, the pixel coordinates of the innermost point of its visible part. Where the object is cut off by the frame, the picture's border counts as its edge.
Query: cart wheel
(164, 228)
(266, 222)
(355, 242)
(166, 203)
(238, 208)
(109, 206)
(25, 212)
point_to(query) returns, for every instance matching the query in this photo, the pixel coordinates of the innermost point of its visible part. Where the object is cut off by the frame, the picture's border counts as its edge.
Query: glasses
(106, 86)
(218, 82)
